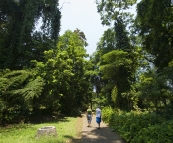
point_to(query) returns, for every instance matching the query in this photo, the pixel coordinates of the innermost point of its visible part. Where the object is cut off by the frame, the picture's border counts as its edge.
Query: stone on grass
(47, 131)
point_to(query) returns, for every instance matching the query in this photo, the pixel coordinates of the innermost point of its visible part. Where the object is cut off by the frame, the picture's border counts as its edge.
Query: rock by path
(94, 135)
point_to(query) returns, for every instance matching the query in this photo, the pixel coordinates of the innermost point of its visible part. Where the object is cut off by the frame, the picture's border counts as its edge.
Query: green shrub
(129, 124)
(106, 114)
(159, 133)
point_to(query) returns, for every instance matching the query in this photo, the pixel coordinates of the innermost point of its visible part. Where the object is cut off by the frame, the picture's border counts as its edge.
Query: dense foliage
(139, 126)
(134, 63)
(130, 72)
(18, 89)
(27, 28)
(65, 72)
(127, 59)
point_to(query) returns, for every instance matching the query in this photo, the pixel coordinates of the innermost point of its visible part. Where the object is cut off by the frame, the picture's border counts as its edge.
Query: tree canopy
(130, 73)
(21, 41)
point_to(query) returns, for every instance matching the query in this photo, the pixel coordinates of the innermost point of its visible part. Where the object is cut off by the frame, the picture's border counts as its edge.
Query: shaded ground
(94, 135)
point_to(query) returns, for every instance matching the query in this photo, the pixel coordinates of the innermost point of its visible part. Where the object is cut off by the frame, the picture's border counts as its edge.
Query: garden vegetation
(130, 74)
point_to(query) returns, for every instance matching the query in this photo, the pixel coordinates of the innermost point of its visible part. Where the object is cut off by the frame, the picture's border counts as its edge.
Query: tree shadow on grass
(46, 119)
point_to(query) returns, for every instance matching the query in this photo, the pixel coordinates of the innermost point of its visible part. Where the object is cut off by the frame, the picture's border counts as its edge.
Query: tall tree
(119, 63)
(154, 22)
(65, 71)
(111, 9)
(18, 21)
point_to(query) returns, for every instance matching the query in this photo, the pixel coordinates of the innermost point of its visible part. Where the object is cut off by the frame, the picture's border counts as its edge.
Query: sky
(82, 14)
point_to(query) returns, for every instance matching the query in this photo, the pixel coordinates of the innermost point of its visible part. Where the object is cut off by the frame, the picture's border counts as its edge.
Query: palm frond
(32, 89)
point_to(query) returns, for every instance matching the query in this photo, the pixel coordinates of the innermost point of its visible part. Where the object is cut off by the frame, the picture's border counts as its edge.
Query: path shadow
(102, 135)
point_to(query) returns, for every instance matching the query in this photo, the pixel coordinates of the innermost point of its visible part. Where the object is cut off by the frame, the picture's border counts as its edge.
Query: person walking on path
(98, 116)
(89, 116)
(94, 135)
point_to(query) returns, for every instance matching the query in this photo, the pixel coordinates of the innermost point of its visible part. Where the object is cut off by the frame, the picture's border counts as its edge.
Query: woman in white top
(98, 116)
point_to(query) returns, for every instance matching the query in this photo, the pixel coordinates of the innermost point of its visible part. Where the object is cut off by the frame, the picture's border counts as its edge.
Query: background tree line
(133, 58)
(45, 73)
(41, 73)
(133, 62)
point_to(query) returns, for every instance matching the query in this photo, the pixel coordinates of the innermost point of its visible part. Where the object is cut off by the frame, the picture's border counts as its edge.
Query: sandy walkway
(102, 135)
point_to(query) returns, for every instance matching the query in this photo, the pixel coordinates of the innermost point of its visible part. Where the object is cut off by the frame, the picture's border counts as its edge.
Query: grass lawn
(68, 129)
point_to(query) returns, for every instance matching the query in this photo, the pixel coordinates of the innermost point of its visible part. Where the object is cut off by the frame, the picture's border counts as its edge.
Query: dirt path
(102, 135)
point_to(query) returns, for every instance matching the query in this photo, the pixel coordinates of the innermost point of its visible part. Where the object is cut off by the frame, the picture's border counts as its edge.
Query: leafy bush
(159, 133)
(131, 125)
(106, 114)
(18, 88)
